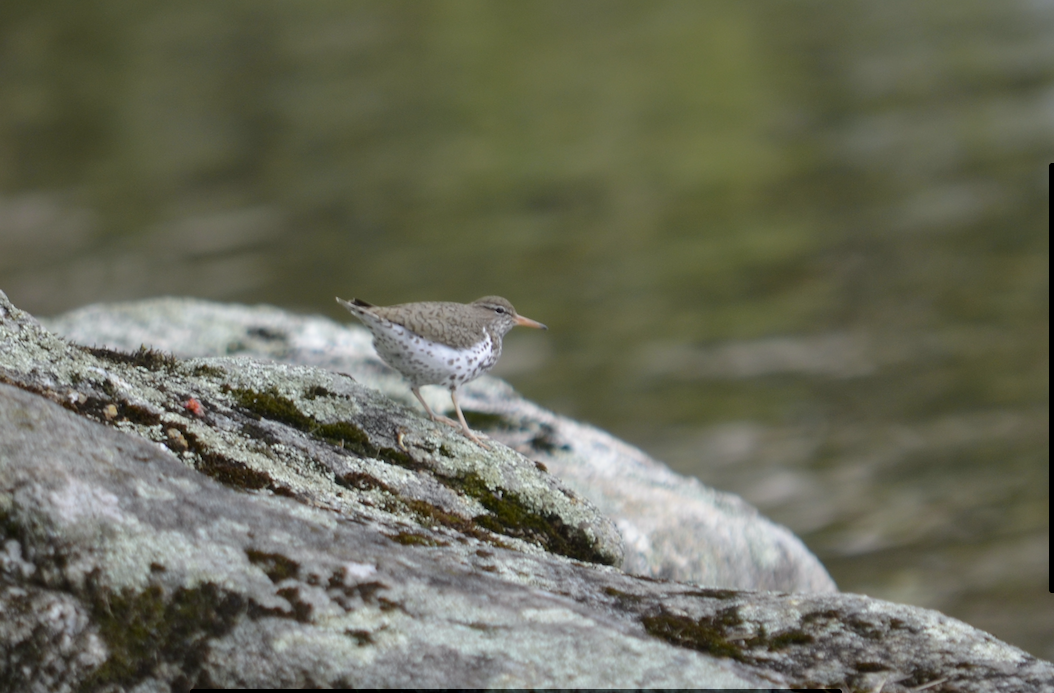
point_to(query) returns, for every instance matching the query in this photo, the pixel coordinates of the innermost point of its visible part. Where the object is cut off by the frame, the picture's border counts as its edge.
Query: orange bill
(527, 322)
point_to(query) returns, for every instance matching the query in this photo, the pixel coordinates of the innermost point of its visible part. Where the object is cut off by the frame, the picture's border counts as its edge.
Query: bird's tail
(354, 302)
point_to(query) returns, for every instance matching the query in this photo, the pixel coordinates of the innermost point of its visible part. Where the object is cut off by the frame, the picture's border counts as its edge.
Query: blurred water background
(797, 249)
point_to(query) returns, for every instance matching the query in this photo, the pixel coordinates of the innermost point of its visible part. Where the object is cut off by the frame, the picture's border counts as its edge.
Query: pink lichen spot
(194, 407)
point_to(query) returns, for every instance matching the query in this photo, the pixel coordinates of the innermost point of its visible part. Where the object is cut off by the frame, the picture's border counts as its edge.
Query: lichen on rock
(172, 521)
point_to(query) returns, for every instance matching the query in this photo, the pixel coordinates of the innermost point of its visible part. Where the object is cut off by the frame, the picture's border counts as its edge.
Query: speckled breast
(424, 362)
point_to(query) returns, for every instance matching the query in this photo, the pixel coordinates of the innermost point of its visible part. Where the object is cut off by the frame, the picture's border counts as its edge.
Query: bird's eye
(499, 310)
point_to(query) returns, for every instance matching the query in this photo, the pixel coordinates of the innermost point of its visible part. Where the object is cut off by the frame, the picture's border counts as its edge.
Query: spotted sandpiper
(440, 343)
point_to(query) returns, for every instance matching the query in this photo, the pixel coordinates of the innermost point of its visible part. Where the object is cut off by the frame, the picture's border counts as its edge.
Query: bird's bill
(527, 322)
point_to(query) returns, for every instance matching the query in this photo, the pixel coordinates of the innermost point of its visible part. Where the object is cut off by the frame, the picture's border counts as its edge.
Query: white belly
(427, 363)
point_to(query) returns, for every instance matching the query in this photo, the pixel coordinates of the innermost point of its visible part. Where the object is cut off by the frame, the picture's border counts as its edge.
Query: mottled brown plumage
(440, 343)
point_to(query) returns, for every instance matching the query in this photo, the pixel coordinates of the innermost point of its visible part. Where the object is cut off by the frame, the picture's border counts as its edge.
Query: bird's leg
(464, 426)
(432, 415)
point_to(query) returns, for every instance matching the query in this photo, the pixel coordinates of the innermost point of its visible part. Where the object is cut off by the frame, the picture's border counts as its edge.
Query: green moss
(301, 610)
(271, 405)
(362, 482)
(351, 437)
(485, 421)
(612, 592)
(276, 407)
(365, 591)
(869, 667)
(512, 516)
(96, 407)
(362, 638)
(625, 599)
(710, 634)
(344, 434)
(508, 513)
(413, 539)
(276, 566)
(109, 389)
(389, 605)
(705, 635)
(137, 414)
(148, 628)
(150, 359)
(713, 594)
(826, 615)
(232, 472)
(223, 469)
(318, 391)
(430, 515)
(865, 628)
(202, 370)
(10, 529)
(788, 638)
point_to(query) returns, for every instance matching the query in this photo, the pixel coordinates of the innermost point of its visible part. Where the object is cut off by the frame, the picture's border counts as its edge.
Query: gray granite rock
(673, 526)
(172, 523)
(124, 569)
(317, 436)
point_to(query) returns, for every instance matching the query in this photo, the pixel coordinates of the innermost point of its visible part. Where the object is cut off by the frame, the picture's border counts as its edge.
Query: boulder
(173, 521)
(673, 526)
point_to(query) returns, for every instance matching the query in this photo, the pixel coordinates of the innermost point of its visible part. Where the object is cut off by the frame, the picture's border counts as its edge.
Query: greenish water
(796, 249)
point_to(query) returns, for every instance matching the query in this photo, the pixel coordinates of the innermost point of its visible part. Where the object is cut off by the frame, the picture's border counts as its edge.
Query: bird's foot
(444, 419)
(439, 418)
(469, 434)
